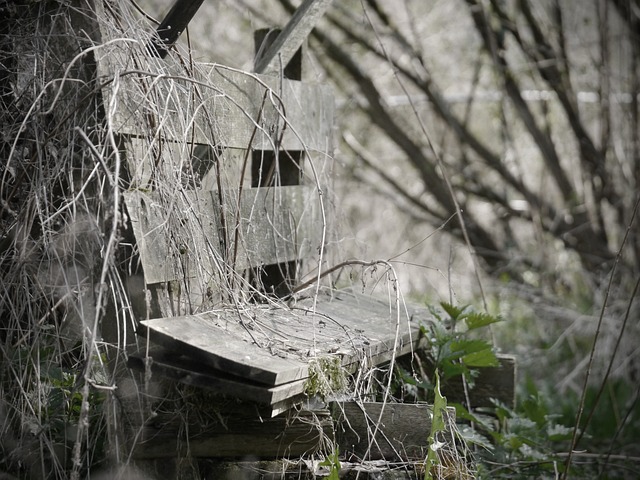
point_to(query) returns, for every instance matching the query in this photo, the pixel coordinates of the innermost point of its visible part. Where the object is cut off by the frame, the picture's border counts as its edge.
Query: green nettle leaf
(463, 347)
(450, 369)
(472, 436)
(533, 453)
(483, 358)
(525, 425)
(559, 433)
(456, 313)
(512, 441)
(534, 408)
(435, 313)
(438, 334)
(473, 353)
(478, 320)
(502, 412)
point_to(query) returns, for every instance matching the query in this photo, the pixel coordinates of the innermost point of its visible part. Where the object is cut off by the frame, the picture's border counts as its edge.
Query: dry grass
(73, 287)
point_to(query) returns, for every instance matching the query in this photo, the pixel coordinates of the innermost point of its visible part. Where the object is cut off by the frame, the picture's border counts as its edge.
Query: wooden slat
(241, 433)
(253, 106)
(275, 345)
(361, 313)
(177, 236)
(402, 429)
(168, 100)
(278, 225)
(263, 353)
(193, 372)
(293, 34)
(214, 105)
(181, 236)
(208, 338)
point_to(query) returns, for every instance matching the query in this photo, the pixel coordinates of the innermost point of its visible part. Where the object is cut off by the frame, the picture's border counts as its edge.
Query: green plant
(437, 427)
(453, 350)
(333, 462)
(524, 441)
(452, 347)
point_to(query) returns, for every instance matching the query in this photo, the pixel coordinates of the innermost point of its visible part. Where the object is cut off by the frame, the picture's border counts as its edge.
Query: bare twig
(578, 432)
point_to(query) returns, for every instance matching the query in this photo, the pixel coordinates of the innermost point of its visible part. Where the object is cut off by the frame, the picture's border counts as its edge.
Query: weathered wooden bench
(229, 208)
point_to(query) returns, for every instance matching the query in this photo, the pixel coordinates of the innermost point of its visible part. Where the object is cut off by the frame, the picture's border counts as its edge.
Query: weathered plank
(274, 345)
(221, 107)
(206, 337)
(290, 39)
(170, 100)
(276, 113)
(165, 364)
(497, 383)
(278, 225)
(387, 331)
(269, 349)
(401, 429)
(238, 434)
(177, 237)
(184, 236)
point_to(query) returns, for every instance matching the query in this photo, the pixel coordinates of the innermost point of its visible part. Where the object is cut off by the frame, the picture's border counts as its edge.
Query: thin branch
(494, 44)
(577, 432)
(547, 63)
(426, 84)
(365, 157)
(445, 175)
(614, 352)
(381, 117)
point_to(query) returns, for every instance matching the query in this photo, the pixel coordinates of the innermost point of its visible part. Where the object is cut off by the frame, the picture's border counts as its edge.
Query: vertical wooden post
(277, 168)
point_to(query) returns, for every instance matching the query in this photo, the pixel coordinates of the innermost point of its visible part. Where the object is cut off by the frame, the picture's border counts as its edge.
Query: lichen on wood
(326, 377)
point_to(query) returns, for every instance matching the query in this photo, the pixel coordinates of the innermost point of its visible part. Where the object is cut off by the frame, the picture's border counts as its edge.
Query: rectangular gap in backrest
(269, 168)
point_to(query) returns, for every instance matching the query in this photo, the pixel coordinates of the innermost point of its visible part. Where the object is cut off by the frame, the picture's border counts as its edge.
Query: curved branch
(401, 190)
(494, 44)
(378, 113)
(442, 109)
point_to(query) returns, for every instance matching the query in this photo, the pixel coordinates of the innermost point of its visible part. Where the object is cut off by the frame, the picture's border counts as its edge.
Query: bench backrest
(226, 172)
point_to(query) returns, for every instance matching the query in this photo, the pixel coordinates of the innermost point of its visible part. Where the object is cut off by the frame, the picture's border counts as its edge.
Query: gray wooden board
(492, 383)
(274, 345)
(380, 320)
(179, 236)
(292, 36)
(295, 115)
(204, 337)
(210, 104)
(402, 433)
(192, 372)
(278, 225)
(176, 235)
(241, 433)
